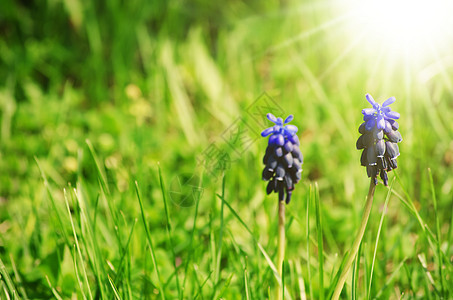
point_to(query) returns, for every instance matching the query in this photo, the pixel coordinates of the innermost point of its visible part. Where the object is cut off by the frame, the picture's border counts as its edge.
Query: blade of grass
(123, 257)
(54, 291)
(212, 253)
(190, 250)
(410, 276)
(169, 231)
(5, 290)
(309, 196)
(105, 188)
(438, 237)
(312, 240)
(54, 205)
(77, 246)
(355, 246)
(378, 235)
(246, 284)
(335, 280)
(365, 267)
(18, 278)
(76, 271)
(390, 279)
(101, 173)
(200, 288)
(283, 279)
(320, 242)
(300, 280)
(422, 259)
(226, 285)
(450, 232)
(355, 274)
(410, 204)
(265, 254)
(93, 252)
(115, 290)
(427, 232)
(5, 276)
(220, 241)
(184, 110)
(150, 242)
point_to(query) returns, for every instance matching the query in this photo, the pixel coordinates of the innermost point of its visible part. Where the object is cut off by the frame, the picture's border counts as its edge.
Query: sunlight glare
(406, 26)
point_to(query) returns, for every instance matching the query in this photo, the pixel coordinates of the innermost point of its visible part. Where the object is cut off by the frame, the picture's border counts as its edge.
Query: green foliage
(95, 97)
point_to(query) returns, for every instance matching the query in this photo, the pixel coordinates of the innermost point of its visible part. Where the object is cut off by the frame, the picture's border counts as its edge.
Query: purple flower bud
(267, 174)
(388, 127)
(363, 158)
(394, 136)
(394, 124)
(288, 146)
(384, 177)
(360, 144)
(272, 163)
(378, 134)
(288, 160)
(371, 156)
(362, 128)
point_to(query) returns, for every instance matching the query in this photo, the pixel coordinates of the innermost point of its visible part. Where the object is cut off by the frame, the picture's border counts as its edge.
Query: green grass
(105, 106)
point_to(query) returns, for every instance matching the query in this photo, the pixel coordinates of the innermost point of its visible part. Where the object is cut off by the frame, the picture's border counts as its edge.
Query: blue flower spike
(379, 138)
(283, 159)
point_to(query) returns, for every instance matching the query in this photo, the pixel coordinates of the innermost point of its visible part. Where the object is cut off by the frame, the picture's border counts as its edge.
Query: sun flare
(409, 27)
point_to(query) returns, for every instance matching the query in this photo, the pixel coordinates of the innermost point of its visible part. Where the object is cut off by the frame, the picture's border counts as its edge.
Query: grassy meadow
(131, 155)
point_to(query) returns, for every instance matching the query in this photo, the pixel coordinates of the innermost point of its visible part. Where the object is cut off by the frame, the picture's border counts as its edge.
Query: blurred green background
(133, 85)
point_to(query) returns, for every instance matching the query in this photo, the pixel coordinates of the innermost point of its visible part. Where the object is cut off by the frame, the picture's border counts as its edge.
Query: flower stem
(281, 244)
(358, 239)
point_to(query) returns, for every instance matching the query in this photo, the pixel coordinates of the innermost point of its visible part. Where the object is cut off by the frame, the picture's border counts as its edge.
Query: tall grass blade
(355, 274)
(169, 232)
(115, 290)
(119, 275)
(192, 234)
(54, 205)
(94, 256)
(105, 188)
(76, 271)
(100, 170)
(422, 259)
(246, 284)
(307, 218)
(358, 239)
(410, 204)
(378, 235)
(150, 242)
(320, 242)
(5, 276)
(390, 279)
(54, 291)
(220, 240)
(283, 278)
(300, 280)
(18, 278)
(226, 285)
(258, 244)
(77, 247)
(438, 237)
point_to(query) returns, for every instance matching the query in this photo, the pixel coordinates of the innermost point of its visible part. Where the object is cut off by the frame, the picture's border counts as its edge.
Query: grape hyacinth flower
(379, 139)
(283, 170)
(283, 158)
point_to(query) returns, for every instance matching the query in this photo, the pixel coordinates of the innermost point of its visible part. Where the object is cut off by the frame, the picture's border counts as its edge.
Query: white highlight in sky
(403, 25)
